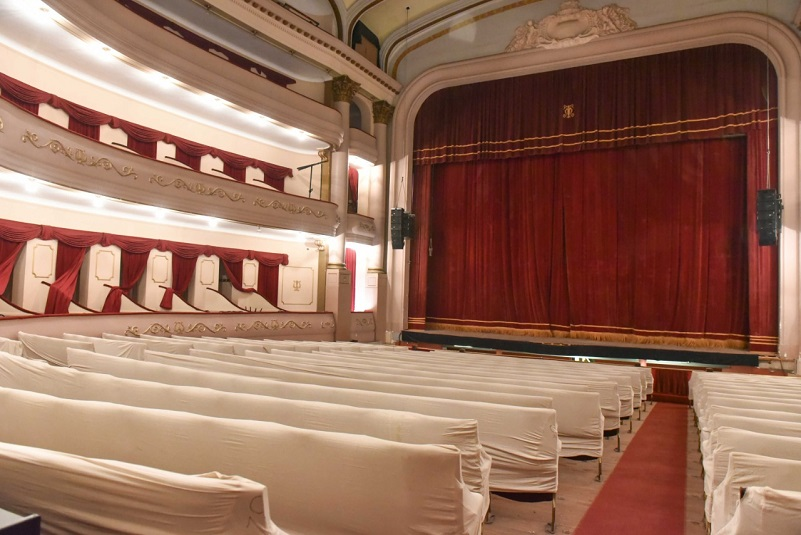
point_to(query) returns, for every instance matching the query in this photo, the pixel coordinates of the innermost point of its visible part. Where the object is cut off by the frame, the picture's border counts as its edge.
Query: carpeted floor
(648, 482)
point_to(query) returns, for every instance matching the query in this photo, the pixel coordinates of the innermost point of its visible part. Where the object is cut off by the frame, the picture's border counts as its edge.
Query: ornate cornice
(382, 112)
(344, 89)
(79, 156)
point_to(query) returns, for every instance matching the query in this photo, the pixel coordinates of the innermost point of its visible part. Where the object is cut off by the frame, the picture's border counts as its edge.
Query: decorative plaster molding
(1, 126)
(382, 112)
(344, 89)
(78, 156)
(571, 25)
(177, 328)
(292, 208)
(197, 187)
(365, 322)
(328, 324)
(273, 325)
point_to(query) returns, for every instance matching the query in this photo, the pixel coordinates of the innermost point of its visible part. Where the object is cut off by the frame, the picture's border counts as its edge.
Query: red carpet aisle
(645, 493)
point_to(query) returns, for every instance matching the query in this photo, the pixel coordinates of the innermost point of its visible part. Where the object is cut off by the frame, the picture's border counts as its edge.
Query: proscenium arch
(778, 42)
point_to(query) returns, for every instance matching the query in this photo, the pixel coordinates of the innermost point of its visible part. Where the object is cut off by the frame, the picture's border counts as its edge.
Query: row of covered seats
(750, 441)
(337, 477)
(519, 464)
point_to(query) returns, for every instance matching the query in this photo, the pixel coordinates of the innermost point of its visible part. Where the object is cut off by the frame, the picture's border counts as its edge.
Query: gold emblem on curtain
(568, 111)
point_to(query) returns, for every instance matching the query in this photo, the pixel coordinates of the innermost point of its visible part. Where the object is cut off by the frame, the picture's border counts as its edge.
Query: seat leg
(600, 469)
(551, 528)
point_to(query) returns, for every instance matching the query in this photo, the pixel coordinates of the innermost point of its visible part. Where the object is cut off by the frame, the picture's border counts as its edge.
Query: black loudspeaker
(408, 225)
(396, 227)
(769, 216)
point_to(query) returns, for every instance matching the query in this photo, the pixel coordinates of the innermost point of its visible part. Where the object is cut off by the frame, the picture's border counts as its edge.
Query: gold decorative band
(272, 325)
(177, 328)
(78, 156)
(197, 188)
(288, 207)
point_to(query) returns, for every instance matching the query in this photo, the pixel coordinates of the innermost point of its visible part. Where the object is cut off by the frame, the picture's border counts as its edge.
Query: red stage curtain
(350, 265)
(420, 247)
(274, 175)
(692, 94)
(657, 243)
(602, 253)
(69, 260)
(9, 251)
(133, 266)
(83, 121)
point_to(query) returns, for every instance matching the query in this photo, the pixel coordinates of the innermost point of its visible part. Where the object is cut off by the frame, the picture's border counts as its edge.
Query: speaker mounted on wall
(769, 216)
(401, 226)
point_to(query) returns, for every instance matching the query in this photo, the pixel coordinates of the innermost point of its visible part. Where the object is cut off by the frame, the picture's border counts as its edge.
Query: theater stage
(573, 347)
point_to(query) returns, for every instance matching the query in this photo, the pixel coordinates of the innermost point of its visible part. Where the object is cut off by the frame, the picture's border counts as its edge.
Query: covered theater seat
(522, 441)
(766, 510)
(728, 440)
(130, 349)
(480, 368)
(74, 494)
(320, 483)
(750, 470)
(411, 428)
(759, 425)
(578, 411)
(53, 350)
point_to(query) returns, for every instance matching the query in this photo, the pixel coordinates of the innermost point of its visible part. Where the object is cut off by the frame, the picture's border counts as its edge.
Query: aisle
(646, 491)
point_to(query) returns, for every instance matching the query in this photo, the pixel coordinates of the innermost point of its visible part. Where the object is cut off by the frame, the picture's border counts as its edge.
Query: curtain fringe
(596, 336)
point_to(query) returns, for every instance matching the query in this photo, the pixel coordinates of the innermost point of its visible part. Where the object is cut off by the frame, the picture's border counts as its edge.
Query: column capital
(344, 88)
(382, 112)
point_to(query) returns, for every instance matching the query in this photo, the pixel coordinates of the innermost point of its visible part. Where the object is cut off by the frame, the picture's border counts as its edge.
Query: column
(338, 280)
(376, 291)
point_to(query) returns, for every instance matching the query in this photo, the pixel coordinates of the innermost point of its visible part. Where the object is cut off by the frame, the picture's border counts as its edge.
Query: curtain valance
(664, 98)
(22, 93)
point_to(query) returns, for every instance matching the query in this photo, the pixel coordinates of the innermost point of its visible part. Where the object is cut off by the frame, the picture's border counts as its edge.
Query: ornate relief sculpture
(571, 25)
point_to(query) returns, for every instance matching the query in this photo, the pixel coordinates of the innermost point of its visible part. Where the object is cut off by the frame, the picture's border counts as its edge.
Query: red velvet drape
(182, 270)
(420, 247)
(133, 266)
(620, 206)
(603, 253)
(69, 260)
(353, 190)
(9, 251)
(350, 265)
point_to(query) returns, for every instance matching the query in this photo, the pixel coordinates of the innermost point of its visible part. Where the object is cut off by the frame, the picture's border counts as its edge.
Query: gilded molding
(197, 188)
(177, 328)
(78, 156)
(292, 208)
(382, 112)
(366, 322)
(344, 88)
(1, 126)
(368, 227)
(272, 325)
(328, 325)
